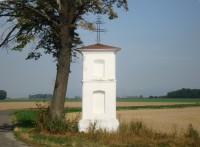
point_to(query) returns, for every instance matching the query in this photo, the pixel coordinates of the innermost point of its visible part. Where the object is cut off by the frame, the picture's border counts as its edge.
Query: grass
(24, 118)
(118, 100)
(158, 106)
(74, 109)
(78, 109)
(37, 100)
(158, 100)
(133, 134)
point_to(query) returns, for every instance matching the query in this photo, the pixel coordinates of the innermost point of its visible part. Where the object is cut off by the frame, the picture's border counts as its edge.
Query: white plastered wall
(99, 90)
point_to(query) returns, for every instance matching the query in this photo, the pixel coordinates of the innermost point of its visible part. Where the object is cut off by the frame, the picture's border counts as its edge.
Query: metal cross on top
(98, 29)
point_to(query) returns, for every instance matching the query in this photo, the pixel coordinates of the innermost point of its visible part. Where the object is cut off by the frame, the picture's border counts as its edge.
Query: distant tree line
(3, 94)
(77, 97)
(184, 93)
(48, 96)
(127, 97)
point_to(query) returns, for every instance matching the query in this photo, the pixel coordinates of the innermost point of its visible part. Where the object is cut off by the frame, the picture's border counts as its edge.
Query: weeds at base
(138, 136)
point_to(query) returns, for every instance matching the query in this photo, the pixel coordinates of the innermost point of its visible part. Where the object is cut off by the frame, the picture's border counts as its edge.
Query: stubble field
(163, 120)
(28, 105)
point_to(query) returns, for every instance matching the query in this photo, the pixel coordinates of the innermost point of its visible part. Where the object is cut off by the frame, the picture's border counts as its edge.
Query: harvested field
(29, 105)
(164, 120)
(26, 105)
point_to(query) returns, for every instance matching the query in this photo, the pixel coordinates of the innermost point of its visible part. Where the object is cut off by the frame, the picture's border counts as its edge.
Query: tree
(42, 96)
(3, 94)
(184, 93)
(52, 25)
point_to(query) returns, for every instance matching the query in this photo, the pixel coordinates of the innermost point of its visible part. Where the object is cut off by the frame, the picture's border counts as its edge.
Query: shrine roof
(98, 47)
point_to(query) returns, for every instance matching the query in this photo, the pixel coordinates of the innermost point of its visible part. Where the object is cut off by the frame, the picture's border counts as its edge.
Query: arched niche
(99, 68)
(99, 102)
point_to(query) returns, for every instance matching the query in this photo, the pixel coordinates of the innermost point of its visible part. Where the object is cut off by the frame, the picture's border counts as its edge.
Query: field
(164, 120)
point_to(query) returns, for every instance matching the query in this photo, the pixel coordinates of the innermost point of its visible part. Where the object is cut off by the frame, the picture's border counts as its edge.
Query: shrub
(3, 94)
(192, 132)
(192, 136)
(54, 125)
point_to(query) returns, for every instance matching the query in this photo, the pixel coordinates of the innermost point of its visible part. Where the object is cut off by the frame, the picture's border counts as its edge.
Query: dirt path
(7, 138)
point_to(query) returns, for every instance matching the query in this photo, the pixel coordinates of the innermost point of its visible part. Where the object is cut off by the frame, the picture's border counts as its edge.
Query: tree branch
(6, 40)
(42, 14)
(1, 15)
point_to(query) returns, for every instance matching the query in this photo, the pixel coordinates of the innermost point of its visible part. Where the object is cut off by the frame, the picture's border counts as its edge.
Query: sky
(160, 52)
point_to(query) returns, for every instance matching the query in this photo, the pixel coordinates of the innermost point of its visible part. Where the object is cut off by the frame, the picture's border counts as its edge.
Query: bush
(192, 135)
(46, 123)
(192, 132)
(3, 94)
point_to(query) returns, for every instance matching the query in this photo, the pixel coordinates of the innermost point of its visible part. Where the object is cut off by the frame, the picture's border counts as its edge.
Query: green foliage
(41, 22)
(29, 23)
(43, 96)
(56, 125)
(3, 94)
(184, 93)
(24, 118)
(158, 106)
(26, 100)
(73, 109)
(158, 100)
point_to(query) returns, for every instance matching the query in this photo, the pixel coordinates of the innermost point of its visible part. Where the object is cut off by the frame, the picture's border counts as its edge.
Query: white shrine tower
(99, 87)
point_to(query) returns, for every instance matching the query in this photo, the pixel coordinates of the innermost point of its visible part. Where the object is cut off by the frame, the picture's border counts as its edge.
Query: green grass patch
(73, 109)
(158, 107)
(24, 118)
(25, 100)
(37, 100)
(73, 100)
(78, 109)
(118, 100)
(158, 100)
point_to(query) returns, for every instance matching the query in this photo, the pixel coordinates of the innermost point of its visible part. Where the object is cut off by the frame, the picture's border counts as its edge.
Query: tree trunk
(66, 32)
(60, 88)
